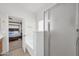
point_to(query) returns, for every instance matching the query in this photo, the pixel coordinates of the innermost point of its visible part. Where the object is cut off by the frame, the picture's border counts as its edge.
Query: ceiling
(29, 7)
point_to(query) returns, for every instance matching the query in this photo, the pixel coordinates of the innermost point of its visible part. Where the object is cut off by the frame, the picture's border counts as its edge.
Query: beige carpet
(16, 49)
(15, 44)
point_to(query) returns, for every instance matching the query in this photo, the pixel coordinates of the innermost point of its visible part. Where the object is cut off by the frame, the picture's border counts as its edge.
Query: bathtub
(29, 44)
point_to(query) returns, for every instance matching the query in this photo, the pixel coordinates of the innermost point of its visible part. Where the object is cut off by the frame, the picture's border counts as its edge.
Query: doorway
(15, 33)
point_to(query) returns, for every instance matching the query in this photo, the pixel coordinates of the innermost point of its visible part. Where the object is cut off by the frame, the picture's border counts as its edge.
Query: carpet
(16, 49)
(17, 52)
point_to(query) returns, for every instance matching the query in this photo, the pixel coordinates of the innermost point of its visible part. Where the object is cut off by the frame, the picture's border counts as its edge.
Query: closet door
(62, 37)
(63, 22)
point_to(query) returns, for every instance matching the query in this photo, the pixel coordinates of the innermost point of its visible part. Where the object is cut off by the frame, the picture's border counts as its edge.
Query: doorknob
(77, 30)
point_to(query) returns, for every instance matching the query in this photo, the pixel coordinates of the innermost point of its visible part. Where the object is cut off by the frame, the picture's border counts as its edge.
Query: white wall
(40, 31)
(4, 31)
(39, 35)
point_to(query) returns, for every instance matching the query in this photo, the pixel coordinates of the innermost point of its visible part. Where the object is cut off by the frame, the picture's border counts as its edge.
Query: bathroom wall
(4, 31)
(40, 30)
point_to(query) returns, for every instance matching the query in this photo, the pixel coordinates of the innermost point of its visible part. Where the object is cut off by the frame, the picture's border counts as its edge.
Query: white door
(61, 25)
(23, 34)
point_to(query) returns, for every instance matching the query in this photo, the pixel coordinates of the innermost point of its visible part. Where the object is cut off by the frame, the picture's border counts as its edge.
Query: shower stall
(60, 35)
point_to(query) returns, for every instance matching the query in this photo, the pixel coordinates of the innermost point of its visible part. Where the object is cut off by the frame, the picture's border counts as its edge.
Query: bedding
(14, 34)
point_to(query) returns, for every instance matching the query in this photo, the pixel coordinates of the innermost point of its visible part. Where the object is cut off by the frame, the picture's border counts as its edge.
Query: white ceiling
(30, 7)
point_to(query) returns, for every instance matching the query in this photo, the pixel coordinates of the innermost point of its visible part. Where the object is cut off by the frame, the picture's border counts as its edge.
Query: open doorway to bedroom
(15, 36)
(15, 32)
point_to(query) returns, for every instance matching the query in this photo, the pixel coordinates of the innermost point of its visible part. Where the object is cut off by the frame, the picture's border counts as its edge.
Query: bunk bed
(15, 30)
(14, 34)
